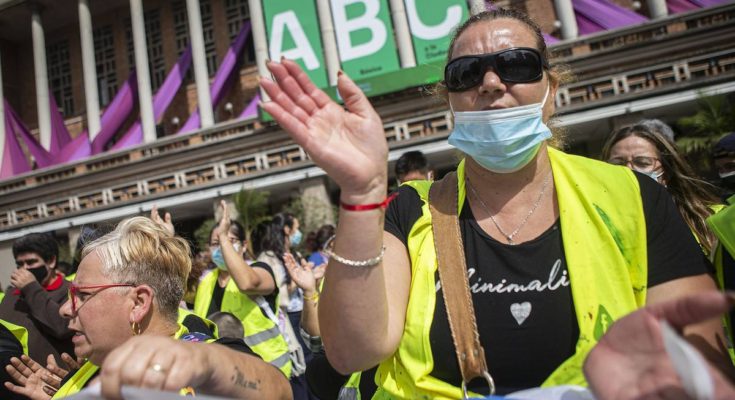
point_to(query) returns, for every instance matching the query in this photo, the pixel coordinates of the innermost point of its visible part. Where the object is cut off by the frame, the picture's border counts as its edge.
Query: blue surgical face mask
(296, 238)
(219, 259)
(503, 140)
(653, 175)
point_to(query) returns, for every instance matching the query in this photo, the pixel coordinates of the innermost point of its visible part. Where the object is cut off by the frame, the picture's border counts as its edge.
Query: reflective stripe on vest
(20, 333)
(261, 334)
(351, 389)
(604, 241)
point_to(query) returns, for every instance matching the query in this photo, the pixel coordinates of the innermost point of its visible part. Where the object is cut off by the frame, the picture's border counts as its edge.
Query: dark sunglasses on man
(514, 65)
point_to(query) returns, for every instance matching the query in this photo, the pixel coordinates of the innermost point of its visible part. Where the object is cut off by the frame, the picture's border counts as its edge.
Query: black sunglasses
(514, 65)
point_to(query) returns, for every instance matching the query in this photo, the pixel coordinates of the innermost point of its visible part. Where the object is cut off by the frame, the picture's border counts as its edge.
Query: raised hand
(71, 364)
(630, 361)
(302, 274)
(165, 221)
(349, 144)
(224, 223)
(31, 379)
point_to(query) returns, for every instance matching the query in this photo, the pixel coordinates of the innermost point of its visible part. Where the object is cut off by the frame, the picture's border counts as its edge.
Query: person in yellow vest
(246, 291)
(123, 309)
(557, 247)
(13, 344)
(649, 152)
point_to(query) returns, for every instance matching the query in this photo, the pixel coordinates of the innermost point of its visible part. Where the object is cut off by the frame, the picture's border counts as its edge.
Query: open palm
(349, 144)
(630, 361)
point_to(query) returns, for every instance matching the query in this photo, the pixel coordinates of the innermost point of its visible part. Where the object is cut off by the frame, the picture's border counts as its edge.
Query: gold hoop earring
(135, 327)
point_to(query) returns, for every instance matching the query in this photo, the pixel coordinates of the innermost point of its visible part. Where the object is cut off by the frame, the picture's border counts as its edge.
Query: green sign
(365, 39)
(432, 23)
(293, 32)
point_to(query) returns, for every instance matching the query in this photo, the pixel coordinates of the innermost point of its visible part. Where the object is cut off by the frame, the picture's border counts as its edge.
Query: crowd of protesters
(551, 250)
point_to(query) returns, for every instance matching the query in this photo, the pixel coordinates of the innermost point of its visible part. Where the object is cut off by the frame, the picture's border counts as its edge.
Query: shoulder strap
(454, 281)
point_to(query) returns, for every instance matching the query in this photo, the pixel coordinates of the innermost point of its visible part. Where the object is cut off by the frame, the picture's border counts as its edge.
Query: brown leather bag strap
(455, 282)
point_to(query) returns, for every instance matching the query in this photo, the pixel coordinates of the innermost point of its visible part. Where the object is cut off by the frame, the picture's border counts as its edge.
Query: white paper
(689, 365)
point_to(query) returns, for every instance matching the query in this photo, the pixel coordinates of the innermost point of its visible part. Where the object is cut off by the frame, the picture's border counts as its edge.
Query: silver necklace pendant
(509, 237)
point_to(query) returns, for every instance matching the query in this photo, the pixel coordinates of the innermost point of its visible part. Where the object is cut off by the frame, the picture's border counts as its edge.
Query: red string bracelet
(367, 207)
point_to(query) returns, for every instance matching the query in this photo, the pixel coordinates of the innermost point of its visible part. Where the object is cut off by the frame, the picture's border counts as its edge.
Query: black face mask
(40, 273)
(729, 181)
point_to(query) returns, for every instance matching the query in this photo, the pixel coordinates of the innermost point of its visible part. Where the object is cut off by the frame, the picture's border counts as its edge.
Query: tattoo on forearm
(239, 379)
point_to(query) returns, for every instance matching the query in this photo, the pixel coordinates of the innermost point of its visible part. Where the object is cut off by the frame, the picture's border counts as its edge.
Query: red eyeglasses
(73, 293)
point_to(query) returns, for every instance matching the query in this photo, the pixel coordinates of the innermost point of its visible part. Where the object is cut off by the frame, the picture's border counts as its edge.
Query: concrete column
(477, 6)
(565, 14)
(329, 40)
(8, 266)
(257, 26)
(89, 68)
(200, 63)
(41, 73)
(318, 209)
(657, 8)
(145, 99)
(403, 34)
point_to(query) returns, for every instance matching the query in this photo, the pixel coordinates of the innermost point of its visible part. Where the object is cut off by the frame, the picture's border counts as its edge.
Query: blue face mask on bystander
(296, 238)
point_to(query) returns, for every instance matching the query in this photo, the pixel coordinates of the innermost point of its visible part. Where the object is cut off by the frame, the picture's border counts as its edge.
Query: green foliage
(715, 118)
(201, 234)
(252, 207)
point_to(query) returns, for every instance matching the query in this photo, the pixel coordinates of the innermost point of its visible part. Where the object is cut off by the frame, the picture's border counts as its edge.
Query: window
(104, 56)
(181, 31)
(154, 42)
(238, 13)
(59, 76)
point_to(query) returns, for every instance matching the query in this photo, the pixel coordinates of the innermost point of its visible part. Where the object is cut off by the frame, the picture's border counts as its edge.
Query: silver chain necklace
(510, 236)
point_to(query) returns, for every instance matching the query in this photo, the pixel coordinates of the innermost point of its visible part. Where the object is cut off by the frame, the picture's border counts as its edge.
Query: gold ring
(157, 368)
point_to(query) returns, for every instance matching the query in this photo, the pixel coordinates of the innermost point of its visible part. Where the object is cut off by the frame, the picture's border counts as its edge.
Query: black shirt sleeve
(402, 213)
(673, 251)
(270, 298)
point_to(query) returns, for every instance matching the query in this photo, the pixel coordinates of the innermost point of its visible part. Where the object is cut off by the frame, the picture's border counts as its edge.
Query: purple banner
(42, 157)
(597, 15)
(13, 161)
(161, 100)
(116, 113)
(251, 110)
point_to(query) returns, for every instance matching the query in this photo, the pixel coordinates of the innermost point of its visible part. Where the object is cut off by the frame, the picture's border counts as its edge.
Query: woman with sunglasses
(647, 151)
(123, 309)
(556, 246)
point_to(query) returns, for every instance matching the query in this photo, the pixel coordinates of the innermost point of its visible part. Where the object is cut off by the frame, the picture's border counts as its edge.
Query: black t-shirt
(219, 292)
(728, 275)
(525, 289)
